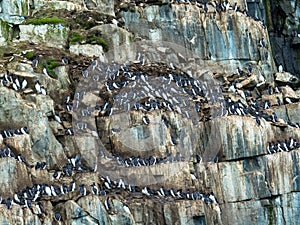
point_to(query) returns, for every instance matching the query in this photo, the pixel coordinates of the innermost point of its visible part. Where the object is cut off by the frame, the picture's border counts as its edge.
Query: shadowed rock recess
(204, 133)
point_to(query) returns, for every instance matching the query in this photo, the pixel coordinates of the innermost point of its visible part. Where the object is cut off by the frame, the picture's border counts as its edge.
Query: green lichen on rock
(75, 38)
(50, 65)
(4, 26)
(29, 55)
(268, 13)
(84, 22)
(43, 20)
(95, 38)
(99, 41)
(271, 207)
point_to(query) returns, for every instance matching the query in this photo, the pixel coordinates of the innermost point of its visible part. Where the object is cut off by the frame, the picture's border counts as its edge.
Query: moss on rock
(75, 38)
(43, 20)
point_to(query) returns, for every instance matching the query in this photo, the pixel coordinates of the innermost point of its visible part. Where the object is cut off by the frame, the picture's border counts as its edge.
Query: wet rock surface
(223, 152)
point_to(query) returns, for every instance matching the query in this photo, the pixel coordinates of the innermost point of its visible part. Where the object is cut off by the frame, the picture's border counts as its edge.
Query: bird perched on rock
(65, 60)
(35, 62)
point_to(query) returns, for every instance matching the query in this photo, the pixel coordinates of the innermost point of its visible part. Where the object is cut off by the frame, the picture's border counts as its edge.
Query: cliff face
(241, 145)
(283, 30)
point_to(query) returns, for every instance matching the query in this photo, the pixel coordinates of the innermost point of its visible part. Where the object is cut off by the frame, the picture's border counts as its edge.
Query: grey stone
(48, 34)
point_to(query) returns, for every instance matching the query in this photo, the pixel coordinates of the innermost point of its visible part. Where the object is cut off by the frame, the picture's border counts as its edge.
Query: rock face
(283, 30)
(147, 161)
(212, 37)
(44, 34)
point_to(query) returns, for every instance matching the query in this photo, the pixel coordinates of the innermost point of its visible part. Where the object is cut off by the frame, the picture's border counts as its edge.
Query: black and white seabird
(145, 191)
(45, 71)
(43, 90)
(82, 189)
(69, 131)
(8, 203)
(67, 99)
(94, 189)
(72, 186)
(24, 130)
(213, 198)
(56, 175)
(40, 165)
(48, 190)
(198, 158)
(146, 120)
(37, 86)
(193, 176)
(35, 62)
(280, 68)
(57, 216)
(16, 85)
(173, 193)
(57, 117)
(126, 208)
(107, 204)
(65, 60)
(85, 73)
(173, 141)
(39, 208)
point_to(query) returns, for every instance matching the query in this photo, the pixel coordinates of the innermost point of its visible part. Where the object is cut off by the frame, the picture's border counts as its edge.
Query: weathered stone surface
(4, 32)
(22, 145)
(286, 78)
(240, 139)
(273, 210)
(95, 208)
(44, 145)
(105, 6)
(117, 37)
(68, 5)
(293, 112)
(281, 39)
(282, 172)
(288, 92)
(249, 82)
(75, 214)
(211, 36)
(48, 34)
(261, 177)
(273, 99)
(87, 50)
(43, 103)
(62, 73)
(13, 176)
(15, 7)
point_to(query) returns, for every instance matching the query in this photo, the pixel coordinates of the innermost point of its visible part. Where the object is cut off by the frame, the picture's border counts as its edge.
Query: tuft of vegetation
(271, 208)
(131, 38)
(43, 20)
(85, 22)
(75, 38)
(50, 64)
(29, 55)
(103, 43)
(93, 39)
